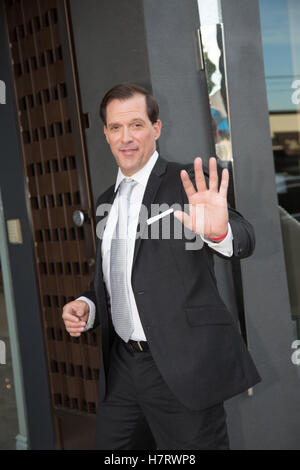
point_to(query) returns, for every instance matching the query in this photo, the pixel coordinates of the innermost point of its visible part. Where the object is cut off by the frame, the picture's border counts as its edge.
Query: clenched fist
(75, 315)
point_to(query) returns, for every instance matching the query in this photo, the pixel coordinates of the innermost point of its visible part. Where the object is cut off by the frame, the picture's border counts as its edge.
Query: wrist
(218, 239)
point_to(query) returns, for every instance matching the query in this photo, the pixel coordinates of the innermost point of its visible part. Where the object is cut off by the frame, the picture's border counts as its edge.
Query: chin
(128, 167)
(130, 171)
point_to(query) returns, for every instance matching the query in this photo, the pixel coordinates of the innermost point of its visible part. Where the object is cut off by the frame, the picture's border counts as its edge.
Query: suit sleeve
(243, 235)
(93, 320)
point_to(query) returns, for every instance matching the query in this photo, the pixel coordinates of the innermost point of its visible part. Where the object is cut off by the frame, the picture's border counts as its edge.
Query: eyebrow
(137, 119)
(131, 122)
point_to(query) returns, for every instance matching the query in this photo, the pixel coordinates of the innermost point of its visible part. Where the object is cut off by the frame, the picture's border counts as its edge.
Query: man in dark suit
(170, 350)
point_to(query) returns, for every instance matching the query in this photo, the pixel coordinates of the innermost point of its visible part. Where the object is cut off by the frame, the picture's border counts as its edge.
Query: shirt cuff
(225, 247)
(91, 319)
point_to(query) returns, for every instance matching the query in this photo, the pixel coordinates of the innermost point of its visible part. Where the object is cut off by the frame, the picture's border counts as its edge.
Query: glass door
(13, 425)
(280, 21)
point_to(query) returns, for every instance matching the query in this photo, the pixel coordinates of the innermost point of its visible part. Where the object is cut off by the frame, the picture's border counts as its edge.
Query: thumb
(81, 308)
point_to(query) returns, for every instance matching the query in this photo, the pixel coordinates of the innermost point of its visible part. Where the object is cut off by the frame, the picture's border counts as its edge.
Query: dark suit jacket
(192, 337)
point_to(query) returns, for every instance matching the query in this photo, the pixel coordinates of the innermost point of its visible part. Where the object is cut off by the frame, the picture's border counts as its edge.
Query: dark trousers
(140, 411)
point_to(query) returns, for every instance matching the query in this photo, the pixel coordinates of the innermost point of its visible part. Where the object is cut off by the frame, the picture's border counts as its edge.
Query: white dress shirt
(141, 177)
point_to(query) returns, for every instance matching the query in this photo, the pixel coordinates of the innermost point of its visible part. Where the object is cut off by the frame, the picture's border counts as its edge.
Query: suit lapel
(108, 199)
(153, 184)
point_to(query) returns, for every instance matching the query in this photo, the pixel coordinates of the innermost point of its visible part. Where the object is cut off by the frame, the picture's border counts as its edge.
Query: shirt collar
(140, 176)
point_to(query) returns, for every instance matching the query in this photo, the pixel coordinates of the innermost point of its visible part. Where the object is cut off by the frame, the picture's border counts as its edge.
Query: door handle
(91, 262)
(79, 217)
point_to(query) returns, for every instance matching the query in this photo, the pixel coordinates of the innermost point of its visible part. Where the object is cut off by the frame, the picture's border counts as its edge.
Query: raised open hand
(208, 212)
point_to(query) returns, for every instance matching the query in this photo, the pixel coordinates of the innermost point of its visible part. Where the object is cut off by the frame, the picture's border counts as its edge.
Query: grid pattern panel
(55, 191)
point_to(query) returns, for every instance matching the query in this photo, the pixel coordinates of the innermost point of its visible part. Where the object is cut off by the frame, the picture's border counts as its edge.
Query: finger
(75, 330)
(75, 334)
(187, 184)
(80, 308)
(79, 312)
(69, 324)
(71, 317)
(213, 174)
(224, 183)
(77, 307)
(199, 175)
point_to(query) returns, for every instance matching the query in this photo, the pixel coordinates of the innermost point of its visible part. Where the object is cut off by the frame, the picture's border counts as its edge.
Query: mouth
(128, 152)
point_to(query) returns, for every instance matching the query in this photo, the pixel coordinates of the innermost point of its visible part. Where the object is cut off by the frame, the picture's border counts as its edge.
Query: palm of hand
(208, 212)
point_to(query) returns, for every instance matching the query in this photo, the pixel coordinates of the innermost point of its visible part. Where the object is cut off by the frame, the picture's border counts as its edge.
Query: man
(170, 351)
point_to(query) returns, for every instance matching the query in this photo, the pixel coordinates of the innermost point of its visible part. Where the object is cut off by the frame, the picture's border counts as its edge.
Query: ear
(106, 133)
(157, 128)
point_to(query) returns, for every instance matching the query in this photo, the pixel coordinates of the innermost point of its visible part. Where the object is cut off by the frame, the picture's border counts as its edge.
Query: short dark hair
(124, 91)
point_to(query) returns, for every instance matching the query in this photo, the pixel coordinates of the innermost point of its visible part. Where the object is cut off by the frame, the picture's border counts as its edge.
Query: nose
(126, 135)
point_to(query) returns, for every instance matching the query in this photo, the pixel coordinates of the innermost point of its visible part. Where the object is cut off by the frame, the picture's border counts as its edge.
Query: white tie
(120, 306)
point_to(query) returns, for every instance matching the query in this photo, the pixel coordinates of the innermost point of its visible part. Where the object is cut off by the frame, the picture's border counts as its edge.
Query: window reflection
(280, 21)
(213, 50)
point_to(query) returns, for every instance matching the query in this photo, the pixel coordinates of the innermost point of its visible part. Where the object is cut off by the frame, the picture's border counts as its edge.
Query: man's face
(130, 133)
